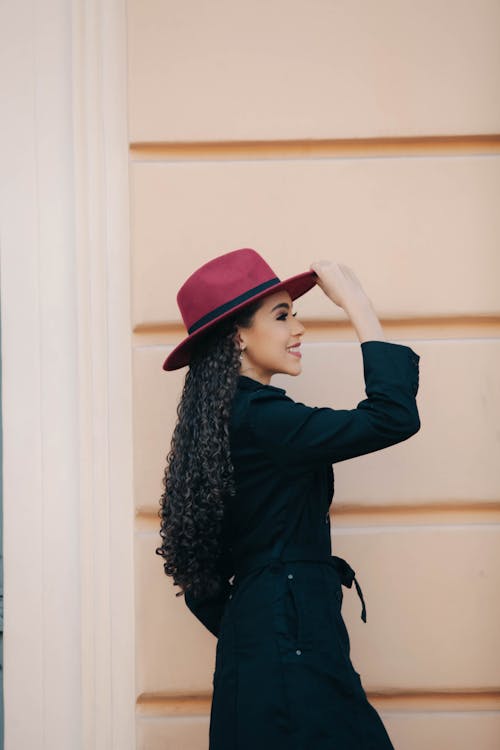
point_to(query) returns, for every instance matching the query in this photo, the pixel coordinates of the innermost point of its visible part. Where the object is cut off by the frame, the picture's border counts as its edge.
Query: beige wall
(241, 117)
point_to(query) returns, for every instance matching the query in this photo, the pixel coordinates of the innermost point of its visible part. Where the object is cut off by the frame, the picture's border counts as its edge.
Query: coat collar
(250, 384)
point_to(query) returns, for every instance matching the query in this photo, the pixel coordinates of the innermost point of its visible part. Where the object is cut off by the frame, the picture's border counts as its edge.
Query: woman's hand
(342, 286)
(339, 283)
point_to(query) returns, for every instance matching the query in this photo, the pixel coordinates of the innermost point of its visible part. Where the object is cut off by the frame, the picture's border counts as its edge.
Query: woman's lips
(295, 351)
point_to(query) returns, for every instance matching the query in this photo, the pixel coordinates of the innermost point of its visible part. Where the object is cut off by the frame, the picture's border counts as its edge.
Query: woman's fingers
(338, 281)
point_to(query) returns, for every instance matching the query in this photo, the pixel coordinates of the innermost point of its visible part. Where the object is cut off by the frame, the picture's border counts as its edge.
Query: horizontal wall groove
(438, 513)
(357, 515)
(325, 148)
(428, 327)
(168, 705)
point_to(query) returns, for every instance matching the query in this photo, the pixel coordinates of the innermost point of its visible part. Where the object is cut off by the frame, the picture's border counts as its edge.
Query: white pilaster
(68, 510)
(102, 252)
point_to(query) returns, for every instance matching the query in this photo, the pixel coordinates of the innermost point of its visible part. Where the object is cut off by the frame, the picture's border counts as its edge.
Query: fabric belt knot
(347, 576)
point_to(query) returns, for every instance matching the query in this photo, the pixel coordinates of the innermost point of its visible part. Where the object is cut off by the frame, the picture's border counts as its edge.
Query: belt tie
(346, 574)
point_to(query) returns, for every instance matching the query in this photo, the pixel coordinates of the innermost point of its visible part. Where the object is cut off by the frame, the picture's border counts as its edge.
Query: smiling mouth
(295, 350)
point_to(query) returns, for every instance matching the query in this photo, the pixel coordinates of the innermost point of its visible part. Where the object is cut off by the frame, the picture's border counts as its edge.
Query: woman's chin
(294, 368)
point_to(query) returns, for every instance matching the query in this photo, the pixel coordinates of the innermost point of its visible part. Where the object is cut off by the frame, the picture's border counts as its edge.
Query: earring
(241, 355)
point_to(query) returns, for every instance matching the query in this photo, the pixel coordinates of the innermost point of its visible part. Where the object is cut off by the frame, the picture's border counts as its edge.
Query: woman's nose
(299, 327)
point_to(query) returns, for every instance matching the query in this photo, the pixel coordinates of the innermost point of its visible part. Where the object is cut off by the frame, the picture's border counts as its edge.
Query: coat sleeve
(209, 610)
(296, 435)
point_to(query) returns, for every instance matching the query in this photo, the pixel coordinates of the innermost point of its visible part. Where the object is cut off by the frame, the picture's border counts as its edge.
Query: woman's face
(268, 343)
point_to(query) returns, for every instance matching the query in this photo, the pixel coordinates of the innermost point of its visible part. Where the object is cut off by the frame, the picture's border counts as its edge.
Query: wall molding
(175, 706)
(317, 148)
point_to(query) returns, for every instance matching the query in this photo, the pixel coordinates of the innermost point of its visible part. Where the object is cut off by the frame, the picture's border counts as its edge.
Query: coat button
(290, 575)
(298, 652)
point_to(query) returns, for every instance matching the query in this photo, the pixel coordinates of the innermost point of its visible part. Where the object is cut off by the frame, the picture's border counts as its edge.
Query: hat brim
(296, 286)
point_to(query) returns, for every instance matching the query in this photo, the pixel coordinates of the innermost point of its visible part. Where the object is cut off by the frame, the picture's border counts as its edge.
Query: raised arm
(295, 435)
(343, 288)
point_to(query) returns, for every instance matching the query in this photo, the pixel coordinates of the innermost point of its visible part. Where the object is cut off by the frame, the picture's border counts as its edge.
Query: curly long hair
(199, 476)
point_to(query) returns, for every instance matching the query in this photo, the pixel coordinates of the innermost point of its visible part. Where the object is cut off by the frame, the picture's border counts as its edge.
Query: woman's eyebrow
(281, 304)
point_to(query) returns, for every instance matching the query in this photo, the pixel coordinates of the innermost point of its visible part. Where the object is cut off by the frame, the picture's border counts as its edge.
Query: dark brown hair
(198, 477)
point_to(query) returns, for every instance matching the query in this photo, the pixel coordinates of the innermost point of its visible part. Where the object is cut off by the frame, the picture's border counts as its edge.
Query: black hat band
(232, 303)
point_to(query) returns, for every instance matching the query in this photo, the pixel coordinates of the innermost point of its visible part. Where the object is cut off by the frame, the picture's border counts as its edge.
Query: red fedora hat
(222, 286)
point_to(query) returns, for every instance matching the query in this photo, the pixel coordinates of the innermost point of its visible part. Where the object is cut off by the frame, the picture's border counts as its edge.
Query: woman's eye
(284, 315)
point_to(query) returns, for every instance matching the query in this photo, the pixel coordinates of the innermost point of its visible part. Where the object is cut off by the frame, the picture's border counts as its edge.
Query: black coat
(283, 677)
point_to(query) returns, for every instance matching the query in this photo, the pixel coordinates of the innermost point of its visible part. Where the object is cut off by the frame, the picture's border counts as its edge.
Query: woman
(245, 521)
